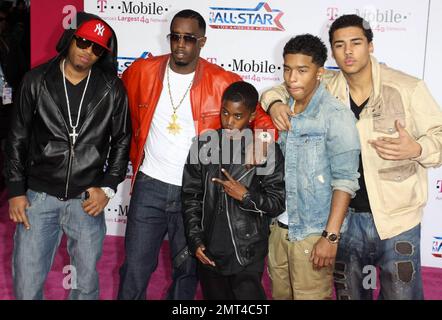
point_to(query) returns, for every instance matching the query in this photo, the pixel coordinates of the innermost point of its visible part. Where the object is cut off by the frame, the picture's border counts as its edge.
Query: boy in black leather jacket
(227, 204)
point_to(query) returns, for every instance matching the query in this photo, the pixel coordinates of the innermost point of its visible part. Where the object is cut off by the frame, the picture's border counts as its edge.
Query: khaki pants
(291, 271)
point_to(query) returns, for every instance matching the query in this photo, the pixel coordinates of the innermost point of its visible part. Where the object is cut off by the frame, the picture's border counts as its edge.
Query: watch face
(333, 237)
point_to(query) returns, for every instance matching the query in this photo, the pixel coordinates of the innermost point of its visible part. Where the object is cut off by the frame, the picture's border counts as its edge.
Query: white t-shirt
(284, 217)
(166, 153)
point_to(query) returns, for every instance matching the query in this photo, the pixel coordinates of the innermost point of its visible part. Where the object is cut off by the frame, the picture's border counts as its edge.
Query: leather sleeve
(18, 138)
(271, 200)
(192, 202)
(130, 80)
(120, 139)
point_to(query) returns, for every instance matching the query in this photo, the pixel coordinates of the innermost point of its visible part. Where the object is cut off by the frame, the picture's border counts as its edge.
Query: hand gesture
(232, 187)
(402, 148)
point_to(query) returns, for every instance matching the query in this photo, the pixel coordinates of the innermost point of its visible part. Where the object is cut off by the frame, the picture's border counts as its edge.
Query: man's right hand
(202, 257)
(280, 113)
(17, 210)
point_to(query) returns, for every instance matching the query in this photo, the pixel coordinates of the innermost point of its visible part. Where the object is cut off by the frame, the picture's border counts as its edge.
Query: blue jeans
(361, 250)
(155, 209)
(34, 249)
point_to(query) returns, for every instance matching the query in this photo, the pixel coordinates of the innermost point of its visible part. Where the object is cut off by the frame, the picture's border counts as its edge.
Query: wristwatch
(245, 197)
(331, 237)
(109, 192)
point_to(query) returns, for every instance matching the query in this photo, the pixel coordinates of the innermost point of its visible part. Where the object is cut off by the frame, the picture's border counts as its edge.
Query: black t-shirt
(56, 89)
(360, 202)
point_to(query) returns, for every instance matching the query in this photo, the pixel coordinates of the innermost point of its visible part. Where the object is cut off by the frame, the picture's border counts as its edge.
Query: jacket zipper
(231, 232)
(71, 146)
(254, 204)
(71, 157)
(204, 201)
(245, 174)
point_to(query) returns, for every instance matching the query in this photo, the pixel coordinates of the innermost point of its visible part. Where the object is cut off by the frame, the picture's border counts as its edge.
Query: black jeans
(244, 285)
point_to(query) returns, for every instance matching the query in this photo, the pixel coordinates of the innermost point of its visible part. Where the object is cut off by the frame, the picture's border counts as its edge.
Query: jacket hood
(108, 61)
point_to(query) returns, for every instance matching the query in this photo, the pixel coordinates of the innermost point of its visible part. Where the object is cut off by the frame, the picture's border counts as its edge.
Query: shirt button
(305, 251)
(398, 178)
(390, 130)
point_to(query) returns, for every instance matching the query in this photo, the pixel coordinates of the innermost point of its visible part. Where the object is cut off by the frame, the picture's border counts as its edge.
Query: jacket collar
(340, 87)
(312, 109)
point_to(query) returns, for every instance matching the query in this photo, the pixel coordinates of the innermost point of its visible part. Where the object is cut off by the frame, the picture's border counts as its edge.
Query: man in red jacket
(164, 123)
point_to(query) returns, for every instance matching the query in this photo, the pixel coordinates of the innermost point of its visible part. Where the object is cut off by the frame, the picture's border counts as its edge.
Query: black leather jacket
(39, 152)
(248, 220)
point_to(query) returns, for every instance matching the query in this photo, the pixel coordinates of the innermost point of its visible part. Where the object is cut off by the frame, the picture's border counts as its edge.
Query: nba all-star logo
(436, 248)
(260, 18)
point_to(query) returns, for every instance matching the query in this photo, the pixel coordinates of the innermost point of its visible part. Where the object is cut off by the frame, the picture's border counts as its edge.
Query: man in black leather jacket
(227, 204)
(66, 153)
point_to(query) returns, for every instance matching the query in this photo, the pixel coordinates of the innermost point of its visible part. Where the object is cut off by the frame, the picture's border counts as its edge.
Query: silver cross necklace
(74, 133)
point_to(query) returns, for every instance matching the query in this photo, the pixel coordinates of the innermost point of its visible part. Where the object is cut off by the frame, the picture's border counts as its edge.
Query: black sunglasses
(188, 38)
(84, 44)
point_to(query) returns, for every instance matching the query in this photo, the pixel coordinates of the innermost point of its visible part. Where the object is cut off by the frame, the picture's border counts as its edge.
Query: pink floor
(111, 261)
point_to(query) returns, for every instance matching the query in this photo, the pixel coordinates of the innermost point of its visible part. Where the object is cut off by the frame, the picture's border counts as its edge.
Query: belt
(83, 196)
(282, 225)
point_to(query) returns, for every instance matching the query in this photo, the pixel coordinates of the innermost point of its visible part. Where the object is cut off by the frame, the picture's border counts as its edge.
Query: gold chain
(170, 93)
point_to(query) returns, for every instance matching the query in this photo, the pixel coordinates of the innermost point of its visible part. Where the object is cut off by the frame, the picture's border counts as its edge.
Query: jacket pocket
(390, 110)
(246, 229)
(50, 161)
(399, 187)
(89, 164)
(311, 147)
(308, 162)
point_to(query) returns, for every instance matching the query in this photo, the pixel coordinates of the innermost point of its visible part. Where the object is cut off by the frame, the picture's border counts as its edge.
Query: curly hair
(308, 45)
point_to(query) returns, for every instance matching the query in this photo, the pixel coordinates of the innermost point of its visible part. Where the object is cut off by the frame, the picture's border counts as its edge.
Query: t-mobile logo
(101, 5)
(332, 13)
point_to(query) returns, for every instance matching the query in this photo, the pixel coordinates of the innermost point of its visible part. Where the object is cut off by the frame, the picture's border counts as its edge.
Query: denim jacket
(321, 155)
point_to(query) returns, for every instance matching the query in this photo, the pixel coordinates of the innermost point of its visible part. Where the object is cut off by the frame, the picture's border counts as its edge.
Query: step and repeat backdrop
(247, 37)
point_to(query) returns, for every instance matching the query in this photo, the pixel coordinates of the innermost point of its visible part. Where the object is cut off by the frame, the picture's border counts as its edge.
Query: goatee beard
(181, 64)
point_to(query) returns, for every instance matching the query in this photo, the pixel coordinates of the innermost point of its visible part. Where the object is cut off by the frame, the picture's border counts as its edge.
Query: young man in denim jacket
(321, 161)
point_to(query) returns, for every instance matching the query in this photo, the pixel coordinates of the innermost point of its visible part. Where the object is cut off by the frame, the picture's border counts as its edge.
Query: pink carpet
(111, 260)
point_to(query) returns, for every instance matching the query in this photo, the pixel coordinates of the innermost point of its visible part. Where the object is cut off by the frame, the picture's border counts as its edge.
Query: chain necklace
(174, 128)
(74, 133)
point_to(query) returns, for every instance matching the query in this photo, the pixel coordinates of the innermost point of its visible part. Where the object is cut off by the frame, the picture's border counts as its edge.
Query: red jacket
(144, 83)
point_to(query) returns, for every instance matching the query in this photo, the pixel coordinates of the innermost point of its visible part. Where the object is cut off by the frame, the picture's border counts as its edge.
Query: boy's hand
(232, 187)
(202, 257)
